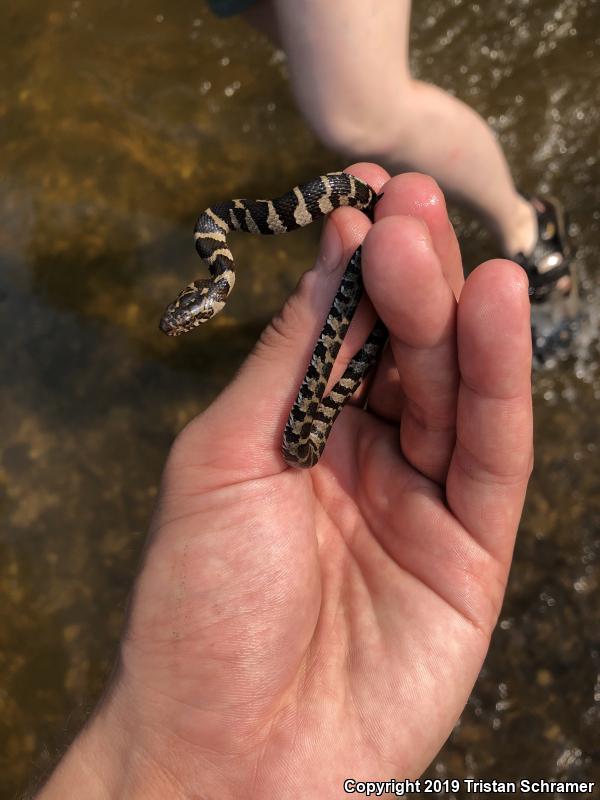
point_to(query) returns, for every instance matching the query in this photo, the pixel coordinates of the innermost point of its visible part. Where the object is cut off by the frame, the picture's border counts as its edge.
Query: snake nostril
(166, 326)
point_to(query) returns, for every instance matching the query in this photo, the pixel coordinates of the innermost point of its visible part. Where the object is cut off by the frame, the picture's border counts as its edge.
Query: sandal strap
(551, 245)
(539, 280)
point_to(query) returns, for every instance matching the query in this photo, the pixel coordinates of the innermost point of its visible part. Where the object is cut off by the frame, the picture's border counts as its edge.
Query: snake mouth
(179, 319)
(168, 326)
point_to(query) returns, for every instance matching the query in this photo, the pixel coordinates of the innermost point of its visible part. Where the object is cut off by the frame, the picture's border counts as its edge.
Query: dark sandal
(554, 314)
(550, 259)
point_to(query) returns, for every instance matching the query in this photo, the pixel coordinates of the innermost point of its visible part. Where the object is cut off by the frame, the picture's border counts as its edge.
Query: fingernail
(330, 250)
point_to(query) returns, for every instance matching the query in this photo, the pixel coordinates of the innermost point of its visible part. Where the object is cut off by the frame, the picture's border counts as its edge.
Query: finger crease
(475, 467)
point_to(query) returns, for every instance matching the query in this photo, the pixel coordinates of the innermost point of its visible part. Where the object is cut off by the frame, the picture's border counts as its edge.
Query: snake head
(196, 304)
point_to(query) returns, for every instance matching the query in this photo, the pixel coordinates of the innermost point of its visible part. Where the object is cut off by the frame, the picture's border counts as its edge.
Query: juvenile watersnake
(312, 415)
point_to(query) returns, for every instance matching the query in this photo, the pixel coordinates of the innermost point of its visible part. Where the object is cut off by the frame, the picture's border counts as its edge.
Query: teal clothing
(227, 8)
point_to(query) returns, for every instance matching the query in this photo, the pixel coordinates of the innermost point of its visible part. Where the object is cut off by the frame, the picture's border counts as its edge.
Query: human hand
(291, 629)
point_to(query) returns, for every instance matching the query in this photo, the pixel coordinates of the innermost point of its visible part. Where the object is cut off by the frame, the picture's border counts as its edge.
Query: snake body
(312, 415)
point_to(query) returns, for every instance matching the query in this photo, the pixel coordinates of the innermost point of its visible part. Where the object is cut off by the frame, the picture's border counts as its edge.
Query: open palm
(291, 629)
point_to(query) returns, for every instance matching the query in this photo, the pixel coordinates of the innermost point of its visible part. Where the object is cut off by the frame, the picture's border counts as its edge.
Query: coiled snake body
(312, 415)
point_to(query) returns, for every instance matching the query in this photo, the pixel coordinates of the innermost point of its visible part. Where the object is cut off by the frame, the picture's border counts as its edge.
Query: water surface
(120, 122)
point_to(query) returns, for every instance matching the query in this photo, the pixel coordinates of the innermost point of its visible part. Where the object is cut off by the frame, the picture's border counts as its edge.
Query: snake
(312, 416)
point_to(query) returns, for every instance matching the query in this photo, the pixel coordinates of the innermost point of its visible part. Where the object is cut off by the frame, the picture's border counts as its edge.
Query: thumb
(242, 429)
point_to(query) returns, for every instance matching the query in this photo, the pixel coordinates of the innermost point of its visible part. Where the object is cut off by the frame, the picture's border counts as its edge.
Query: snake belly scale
(312, 415)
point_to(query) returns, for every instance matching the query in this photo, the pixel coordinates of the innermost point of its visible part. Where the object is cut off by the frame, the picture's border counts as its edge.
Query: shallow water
(120, 122)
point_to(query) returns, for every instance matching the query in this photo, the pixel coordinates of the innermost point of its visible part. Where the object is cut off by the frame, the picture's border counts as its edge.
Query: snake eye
(187, 299)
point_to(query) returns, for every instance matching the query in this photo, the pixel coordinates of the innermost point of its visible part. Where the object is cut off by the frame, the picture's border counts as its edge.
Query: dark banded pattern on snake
(312, 416)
